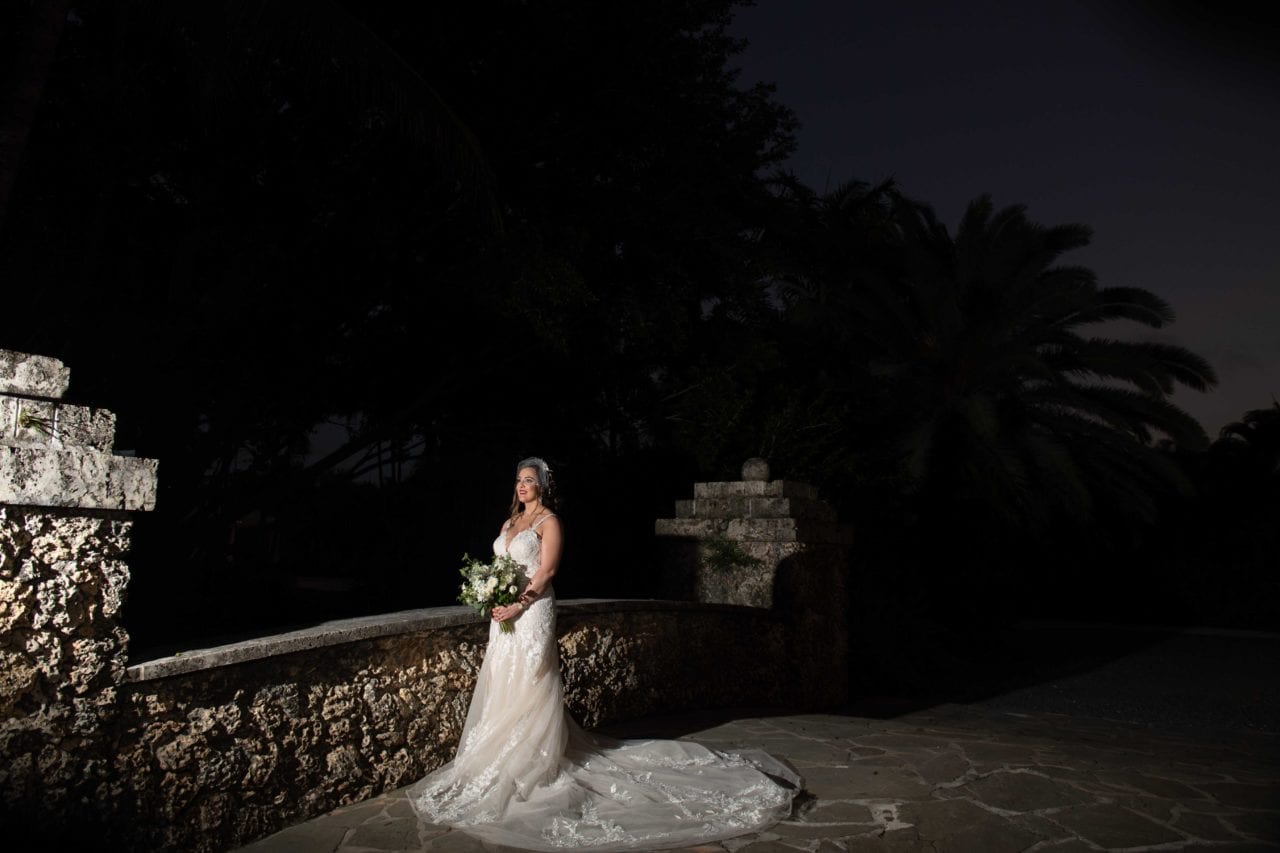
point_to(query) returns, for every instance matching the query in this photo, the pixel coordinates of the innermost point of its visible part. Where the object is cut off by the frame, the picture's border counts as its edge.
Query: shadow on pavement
(1167, 679)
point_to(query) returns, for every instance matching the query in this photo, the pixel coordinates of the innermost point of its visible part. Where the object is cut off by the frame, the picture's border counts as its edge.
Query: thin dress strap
(538, 523)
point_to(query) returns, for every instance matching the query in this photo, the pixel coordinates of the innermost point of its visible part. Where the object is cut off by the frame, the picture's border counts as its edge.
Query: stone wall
(57, 455)
(62, 650)
(64, 531)
(210, 749)
(212, 758)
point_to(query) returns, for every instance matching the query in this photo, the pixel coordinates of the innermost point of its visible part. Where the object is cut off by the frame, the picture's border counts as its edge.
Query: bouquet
(490, 584)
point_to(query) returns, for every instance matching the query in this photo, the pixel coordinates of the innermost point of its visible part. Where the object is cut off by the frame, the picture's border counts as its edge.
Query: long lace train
(526, 775)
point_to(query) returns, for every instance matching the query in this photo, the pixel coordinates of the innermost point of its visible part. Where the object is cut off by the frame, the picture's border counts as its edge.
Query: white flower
(511, 588)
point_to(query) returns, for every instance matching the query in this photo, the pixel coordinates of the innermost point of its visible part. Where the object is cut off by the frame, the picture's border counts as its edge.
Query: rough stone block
(80, 426)
(689, 528)
(32, 375)
(729, 490)
(44, 423)
(786, 530)
(751, 586)
(767, 508)
(765, 529)
(733, 507)
(756, 488)
(76, 477)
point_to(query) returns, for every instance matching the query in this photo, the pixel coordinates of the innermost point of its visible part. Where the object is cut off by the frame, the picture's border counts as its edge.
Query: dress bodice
(525, 548)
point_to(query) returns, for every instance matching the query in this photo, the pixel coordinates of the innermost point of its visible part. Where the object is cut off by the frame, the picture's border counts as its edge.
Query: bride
(526, 775)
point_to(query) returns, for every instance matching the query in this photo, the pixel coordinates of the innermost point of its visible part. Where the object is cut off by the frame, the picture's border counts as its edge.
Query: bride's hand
(502, 613)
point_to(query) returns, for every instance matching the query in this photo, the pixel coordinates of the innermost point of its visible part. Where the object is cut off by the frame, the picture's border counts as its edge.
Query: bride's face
(527, 485)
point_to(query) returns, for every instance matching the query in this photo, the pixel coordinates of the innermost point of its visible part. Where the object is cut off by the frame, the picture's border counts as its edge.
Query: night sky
(1158, 127)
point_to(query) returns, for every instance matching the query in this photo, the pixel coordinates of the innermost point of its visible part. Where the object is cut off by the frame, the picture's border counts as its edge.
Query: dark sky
(1158, 125)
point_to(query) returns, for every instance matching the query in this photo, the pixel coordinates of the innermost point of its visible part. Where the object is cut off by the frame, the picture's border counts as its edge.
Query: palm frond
(1151, 365)
(1064, 238)
(1121, 303)
(1133, 411)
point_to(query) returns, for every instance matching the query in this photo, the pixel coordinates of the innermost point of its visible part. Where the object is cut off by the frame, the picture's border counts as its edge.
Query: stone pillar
(64, 531)
(772, 544)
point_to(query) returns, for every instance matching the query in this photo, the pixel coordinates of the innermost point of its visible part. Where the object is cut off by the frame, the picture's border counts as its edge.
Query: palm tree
(991, 391)
(1015, 401)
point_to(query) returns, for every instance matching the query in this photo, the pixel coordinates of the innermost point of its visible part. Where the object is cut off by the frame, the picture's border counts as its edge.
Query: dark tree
(1005, 399)
(458, 234)
(1211, 558)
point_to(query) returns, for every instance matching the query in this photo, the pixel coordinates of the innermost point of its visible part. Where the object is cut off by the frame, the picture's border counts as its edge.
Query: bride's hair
(546, 485)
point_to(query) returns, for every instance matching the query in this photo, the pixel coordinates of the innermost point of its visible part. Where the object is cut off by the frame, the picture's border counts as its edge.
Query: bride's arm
(550, 559)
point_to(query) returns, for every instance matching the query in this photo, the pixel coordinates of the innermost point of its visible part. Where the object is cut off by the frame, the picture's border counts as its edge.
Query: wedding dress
(526, 775)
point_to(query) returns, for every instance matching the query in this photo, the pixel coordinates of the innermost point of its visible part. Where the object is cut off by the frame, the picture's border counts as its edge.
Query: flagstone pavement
(951, 777)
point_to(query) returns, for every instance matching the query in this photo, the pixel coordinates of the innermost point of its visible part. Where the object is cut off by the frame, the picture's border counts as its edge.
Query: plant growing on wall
(27, 420)
(719, 553)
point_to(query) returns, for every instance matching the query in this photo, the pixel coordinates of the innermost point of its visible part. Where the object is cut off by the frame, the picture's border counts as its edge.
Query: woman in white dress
(526, 775)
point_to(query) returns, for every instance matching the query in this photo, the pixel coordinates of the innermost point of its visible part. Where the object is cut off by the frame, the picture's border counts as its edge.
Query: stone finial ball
(755, 468)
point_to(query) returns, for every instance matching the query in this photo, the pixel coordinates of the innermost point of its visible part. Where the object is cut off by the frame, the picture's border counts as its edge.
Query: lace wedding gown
(526, 775)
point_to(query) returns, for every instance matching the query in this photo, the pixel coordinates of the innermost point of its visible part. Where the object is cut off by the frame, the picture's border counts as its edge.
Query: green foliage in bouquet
(489, 585)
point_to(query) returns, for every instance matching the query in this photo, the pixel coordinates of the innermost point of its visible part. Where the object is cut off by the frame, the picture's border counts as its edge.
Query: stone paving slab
(947, 778)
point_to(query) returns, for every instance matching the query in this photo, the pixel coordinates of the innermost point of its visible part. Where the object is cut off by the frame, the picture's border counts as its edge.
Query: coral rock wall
(63, 538)
(215, 758)
(62, 650)
(214, 748)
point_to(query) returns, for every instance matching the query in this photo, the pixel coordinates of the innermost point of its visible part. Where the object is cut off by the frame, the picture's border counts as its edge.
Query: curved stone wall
(214, 748)
(210, 749)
